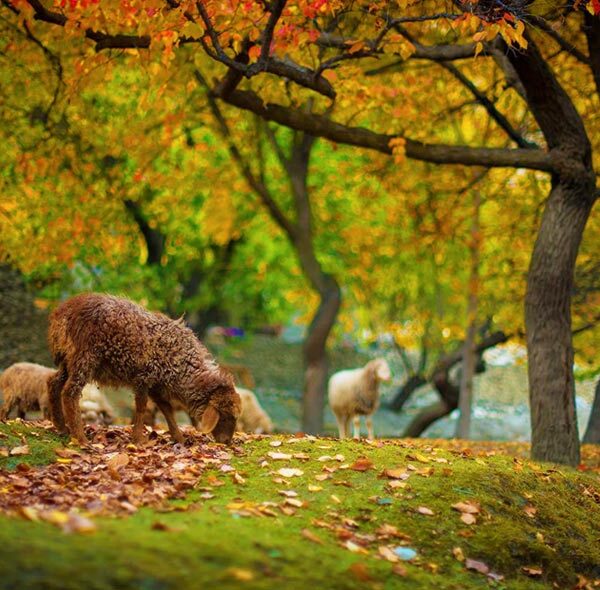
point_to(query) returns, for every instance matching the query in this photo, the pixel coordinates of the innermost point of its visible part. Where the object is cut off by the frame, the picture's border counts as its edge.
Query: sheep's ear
(209, 420)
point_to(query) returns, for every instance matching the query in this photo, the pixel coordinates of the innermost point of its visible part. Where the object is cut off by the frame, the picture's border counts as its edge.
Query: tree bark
(592, 432)
(449, 393)
(315, 358)
(465, 400)
(554, 435)
(403, 394)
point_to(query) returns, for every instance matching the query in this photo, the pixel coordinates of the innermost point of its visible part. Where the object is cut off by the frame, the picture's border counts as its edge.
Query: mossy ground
(531, 516)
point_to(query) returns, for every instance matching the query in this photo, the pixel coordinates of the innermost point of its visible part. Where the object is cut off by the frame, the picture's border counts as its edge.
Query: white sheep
(95, 407)
(253, 417)
(354, 393)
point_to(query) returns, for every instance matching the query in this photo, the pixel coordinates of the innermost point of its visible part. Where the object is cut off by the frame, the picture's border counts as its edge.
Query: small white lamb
(354, 393)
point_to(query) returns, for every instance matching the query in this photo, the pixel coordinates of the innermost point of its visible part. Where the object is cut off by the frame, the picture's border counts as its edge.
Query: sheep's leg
(356, 421)
(70, 398)
(341, 422)
(139, 430)
(21, 413)
(6, 409)
(369, 422)
(167, 409)
(194, 421)
(55, 386)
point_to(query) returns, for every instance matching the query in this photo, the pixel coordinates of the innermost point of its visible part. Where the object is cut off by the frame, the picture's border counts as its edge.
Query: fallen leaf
(458, 553)
(534, 572)
(354, 548)
(396, 483)
(290, 472)
(395, 473)
(22, 450)
(275, 443)
(313, 488)
(294, 502)
(335, 499)
(117, 462)
(29, 513)
(78, 524)
(240, 574)
(468, 518)
(530, 511)
(307, 534)
(237, 478)
(279, 456)
(478, 566)
(399, 570)
(362, 464)
(424, 510)
(466, 507)
(360, 571)
(387, 554)
(322, 476)
(288, 493)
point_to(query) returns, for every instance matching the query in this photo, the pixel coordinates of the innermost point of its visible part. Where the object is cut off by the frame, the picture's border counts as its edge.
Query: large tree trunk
(554, 435)
(592, 432)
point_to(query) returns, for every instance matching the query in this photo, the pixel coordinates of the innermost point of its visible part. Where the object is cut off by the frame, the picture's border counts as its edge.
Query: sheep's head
(221, 414)
(382, 370)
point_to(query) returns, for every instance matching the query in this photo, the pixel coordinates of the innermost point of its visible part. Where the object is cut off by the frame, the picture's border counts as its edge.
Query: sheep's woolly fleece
(112, 476)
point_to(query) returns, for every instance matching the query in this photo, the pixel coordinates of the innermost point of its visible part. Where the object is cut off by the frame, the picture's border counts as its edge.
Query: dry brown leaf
(279, 456)
(360, 571)
(458, 554)
(22, 450)
(78, 524)
(387, 554)
(399, 570)
(534, 572)
(362, 464)
(308, 534)
(530, 511)
(468, 518)
(466, 507)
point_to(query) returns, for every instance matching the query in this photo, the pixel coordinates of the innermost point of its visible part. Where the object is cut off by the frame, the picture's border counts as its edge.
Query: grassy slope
(205, 543)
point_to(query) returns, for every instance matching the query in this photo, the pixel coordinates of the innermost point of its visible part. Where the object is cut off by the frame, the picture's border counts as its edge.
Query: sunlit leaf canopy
(101, 104)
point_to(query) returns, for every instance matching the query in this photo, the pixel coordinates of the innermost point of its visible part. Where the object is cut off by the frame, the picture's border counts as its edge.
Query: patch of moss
(203, 541)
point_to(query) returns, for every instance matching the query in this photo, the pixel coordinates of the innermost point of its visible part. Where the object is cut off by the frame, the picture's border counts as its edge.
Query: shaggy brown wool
(115, 342)
(23, 386)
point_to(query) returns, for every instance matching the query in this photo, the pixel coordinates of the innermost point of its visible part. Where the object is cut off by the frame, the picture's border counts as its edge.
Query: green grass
(204, 543)
(41, 443)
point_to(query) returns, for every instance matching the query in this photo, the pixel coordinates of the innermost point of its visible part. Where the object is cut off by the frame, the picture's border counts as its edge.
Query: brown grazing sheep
(115, 342)
(24, 388)
(253, 417)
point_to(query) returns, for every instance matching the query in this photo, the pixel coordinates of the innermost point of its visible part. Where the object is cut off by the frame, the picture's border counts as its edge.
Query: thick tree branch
(321, 126)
